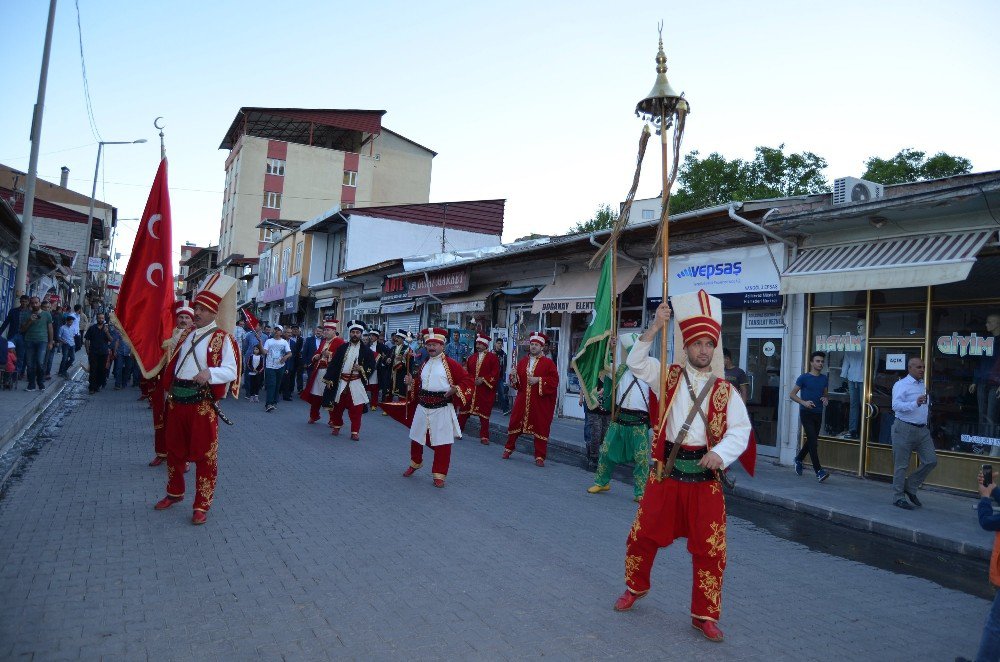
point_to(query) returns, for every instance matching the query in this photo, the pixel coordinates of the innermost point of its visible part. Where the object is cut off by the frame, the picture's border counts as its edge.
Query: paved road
(317, 548)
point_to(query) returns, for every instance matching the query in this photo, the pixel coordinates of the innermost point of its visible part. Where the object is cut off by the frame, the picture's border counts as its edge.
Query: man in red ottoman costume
(484, 368)
(313, 392)
(703, 427)
(537, 382)
(345, 380)
(183, 314)
(440, 382)
(203, 365)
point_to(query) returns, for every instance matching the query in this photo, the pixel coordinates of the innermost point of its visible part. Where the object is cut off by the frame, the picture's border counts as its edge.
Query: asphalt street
(316, 547)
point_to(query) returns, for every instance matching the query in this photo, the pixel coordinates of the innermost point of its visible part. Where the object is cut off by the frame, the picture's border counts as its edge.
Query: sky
(531, 102)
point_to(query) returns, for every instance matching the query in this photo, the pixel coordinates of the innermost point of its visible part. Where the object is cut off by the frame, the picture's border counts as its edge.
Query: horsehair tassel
(622, 221)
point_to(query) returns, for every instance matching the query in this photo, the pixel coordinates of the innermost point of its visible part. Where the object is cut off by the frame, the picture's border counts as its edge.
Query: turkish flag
(144, 312)
(250, 318)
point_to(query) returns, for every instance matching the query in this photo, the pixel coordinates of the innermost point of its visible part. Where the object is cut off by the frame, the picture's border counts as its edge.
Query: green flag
(592, 361)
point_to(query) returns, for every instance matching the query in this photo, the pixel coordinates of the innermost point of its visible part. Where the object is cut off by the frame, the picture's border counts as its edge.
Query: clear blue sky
(528, 101)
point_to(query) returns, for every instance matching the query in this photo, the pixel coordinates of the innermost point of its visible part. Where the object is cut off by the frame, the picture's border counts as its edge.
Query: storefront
(754, 323)
(951, 320)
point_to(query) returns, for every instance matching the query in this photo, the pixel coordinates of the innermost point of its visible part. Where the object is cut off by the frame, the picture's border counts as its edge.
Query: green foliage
(771, 174)
(603, 219)
(910, 165)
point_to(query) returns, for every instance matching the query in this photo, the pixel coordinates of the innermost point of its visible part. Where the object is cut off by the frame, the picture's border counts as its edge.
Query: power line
(86, 84)
(57, 151)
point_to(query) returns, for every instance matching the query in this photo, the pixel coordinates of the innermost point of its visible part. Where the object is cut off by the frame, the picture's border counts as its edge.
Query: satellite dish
(860, 193)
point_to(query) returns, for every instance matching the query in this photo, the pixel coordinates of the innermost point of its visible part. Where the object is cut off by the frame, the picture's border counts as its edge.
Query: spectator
(240, 333)
(989, 645)
(252, 339)
(736, 375)
(293, 373)
(12, 327)
(82, 316)
(255, 373)
(910, 433)
(36, 326)
(50, 351)
(98, 342)
(813, 386)
(68, 343)
(277, 352)
(11, 365)
(502, 388)
(122, 359)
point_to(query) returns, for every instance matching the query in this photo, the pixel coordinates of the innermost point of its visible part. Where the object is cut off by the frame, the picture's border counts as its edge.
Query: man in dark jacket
(310, 346)
(12, 326)
(99, 342)
(293, 368)
(347, 378)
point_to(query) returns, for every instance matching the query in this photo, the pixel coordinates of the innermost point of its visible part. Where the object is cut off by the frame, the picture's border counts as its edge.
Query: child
(11, 368)
(255, 372)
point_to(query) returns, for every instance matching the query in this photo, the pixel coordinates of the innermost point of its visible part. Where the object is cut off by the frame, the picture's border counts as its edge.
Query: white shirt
(904, 400)
(737, 435)
(638, 394)
(853, 367)
(440, 423)
(275, 348)
(187, 368)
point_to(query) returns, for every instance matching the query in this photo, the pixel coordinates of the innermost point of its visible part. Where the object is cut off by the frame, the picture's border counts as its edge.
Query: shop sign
(768, 349)
(971, 345)
(768, 319)
(394, 289)
(96, 264)
(290, 305)
(980, 441)
(446, 282)
(273, 293)
(325, 303)
(895, 361)
(477, 306)
(565, 306)
(848, 342)
(741, 277)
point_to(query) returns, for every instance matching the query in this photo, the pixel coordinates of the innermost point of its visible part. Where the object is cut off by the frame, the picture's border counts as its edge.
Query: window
(276, 167)
(350, 178)
(647, 214)
(272, 200)
(299, 248)
(286, 258)
(265, 270)
(267, 235)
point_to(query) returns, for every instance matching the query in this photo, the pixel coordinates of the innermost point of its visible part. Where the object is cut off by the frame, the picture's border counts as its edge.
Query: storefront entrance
(886, 365)
(763, 367)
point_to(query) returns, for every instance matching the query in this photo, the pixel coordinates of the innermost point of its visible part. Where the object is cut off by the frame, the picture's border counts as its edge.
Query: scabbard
(221, 414)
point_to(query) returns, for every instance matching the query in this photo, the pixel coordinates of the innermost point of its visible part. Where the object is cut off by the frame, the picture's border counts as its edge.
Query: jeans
(21, 349)
(989, 646)
(503, 394)
(123, 370)
(272, 381)
(35, 350)
(811, 422)
(50, 353)
(68, 356)
(854, 389)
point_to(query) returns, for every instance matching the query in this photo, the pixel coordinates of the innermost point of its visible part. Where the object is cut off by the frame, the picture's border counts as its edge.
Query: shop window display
(898, 323)
(841, 335)
(829, 299)
(965, 379)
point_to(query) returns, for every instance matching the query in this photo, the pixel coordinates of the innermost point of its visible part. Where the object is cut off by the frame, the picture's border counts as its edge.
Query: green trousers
(624, 444)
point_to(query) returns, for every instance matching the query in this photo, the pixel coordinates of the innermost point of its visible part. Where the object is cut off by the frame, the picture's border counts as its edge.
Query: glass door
(763, 368)
(886, 365)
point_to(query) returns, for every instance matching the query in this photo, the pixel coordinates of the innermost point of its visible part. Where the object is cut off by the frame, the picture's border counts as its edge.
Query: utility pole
(21, 277)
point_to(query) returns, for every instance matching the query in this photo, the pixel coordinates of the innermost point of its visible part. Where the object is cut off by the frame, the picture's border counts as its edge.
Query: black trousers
(98, 371)
(811, 422)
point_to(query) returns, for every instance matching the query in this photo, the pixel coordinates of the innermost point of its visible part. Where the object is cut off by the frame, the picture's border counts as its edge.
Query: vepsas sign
(741, 277)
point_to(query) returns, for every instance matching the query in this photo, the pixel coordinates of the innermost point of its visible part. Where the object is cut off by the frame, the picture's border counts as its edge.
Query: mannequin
(852, 371)
(985, 386)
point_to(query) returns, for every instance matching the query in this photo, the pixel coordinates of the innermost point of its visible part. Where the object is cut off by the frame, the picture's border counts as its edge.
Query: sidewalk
(946, 522)
(19, 408)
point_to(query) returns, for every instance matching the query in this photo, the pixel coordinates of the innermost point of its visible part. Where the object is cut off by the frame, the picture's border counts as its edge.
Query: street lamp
(93, 194)
(665, 109)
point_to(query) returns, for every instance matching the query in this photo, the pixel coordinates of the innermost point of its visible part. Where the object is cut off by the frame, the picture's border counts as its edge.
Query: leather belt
(632, 417)
(186, 392)
(349, 376)
(916, 425)
(686, 469)
(433, 399)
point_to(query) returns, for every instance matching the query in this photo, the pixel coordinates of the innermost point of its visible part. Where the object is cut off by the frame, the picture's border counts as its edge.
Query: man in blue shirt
(810, 393)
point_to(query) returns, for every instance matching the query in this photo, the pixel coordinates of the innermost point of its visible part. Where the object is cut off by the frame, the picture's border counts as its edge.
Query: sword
(207, 392)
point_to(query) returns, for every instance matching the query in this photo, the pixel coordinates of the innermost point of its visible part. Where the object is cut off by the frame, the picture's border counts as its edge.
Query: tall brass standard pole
(664, 243)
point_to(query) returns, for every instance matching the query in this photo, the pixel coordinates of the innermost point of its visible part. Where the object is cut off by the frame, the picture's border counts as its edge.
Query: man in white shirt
(910, 433)
(683, 497)
(276, 351)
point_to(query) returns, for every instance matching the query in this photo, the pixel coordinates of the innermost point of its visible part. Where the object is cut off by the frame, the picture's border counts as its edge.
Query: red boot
(166, 502)
(336, 431)
(439, 482)
(199, 517)
(506, 453)
(627, 600)
(708, 628)
(157, 461)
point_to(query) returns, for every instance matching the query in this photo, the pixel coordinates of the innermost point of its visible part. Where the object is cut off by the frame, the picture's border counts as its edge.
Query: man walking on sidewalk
(36, 327)
(812, 386)
(910, 433)
(277, 351)
(98, 341)
(68, 341)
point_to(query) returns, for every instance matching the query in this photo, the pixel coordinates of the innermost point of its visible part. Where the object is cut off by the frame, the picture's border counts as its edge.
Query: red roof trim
(482, 216)
(44, 208)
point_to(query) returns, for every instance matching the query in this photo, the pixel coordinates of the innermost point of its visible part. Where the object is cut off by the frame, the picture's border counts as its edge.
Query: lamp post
(665, 109)
(93, 195)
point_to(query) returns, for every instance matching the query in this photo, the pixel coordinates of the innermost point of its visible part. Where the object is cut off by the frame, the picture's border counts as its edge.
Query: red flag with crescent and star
(144, 312)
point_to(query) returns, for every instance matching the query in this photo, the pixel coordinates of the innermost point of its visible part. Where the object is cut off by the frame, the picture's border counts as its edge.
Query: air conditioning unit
(850, 190)
(378, 156)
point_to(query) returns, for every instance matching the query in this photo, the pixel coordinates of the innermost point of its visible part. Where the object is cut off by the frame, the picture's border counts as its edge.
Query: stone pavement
(946, 522)
(317, 548)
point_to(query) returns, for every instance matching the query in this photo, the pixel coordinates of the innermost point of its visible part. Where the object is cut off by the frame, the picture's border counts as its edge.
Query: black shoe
(287, 399)
(903, 503)
(913, 499)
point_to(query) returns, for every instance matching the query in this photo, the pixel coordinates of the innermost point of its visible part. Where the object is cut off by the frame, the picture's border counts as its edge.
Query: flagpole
(614, 328)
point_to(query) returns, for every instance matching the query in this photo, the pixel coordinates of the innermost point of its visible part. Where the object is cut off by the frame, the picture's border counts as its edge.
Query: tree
(603, 219)
(771, 174)
(910, 165)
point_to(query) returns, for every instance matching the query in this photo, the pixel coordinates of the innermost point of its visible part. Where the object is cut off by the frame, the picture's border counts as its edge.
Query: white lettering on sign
(971, 345)
(895, 361)
(848, 342)
(980, 441)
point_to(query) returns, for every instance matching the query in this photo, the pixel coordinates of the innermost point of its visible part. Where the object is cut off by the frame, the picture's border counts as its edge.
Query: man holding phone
(910, 433)
(36, 327)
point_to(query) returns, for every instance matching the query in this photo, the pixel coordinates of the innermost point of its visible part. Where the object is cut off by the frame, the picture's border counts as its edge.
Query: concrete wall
(66, 235)
(402, 173)
(373, 240)
(313, 178)
(249, 199)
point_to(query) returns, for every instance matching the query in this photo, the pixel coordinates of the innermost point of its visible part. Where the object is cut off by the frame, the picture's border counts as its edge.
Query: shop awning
(471, 302)
(888, 264)
(574, 292)
(395, 308)
(366, 308)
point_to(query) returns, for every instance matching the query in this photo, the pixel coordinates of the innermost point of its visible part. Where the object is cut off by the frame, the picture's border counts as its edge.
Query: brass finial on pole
(665, 109)
(159, 125)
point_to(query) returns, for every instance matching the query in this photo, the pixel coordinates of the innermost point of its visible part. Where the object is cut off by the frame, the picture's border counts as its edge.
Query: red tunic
(485, 365)
(319, 366)
(535, 405)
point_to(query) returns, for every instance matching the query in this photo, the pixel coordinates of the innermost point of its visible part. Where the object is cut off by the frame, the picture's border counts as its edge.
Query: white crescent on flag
(156, 266)
(151, 223)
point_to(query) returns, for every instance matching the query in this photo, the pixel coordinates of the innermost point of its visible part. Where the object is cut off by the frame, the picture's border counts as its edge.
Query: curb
(31, 414)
